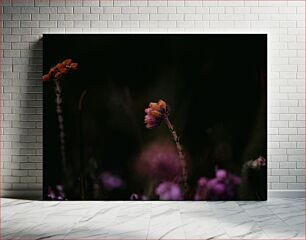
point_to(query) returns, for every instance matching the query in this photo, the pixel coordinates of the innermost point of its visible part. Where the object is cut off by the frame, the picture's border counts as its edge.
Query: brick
(287, 179)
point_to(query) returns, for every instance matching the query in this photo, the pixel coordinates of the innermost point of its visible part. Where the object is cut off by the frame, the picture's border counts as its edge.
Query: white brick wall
(24, 22)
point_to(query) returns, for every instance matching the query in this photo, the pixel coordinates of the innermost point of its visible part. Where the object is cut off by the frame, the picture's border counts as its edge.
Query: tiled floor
(274, 219)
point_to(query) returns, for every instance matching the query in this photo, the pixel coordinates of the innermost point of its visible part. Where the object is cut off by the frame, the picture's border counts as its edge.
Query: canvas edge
(37, 194)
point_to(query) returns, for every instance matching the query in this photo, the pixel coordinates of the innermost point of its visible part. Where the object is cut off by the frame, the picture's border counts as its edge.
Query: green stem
(181, 155)
(82, 162)
(60, 118)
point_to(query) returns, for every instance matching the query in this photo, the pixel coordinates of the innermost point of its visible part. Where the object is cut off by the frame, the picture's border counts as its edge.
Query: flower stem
(60, 118)
(180, 151)
(83, 184)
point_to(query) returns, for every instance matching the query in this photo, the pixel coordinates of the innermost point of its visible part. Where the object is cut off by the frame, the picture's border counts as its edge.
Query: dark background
(215, 85)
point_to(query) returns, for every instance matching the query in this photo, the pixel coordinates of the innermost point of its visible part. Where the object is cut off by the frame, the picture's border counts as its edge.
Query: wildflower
(57, 194)
(168, 191)
(155, 114)
(111, 181)
(60, 70)
(201, 189)
(221, 174)
(222, 187)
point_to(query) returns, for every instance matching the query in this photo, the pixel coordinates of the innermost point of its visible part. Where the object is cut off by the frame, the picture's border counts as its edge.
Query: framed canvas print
(155, 117)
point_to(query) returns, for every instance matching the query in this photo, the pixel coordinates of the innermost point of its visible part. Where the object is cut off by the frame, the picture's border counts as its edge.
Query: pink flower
(111, 181)
(221, 174)
(168, 191)
(222, 187)
(201, 189)
(155, 114)
(159, 160)
(57, 194)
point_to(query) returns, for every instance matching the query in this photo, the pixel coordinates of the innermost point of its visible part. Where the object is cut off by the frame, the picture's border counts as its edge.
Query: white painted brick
(287, 165)
(42, 3)
(300, 165)
(159, 17)
(287, 117)
(62, 10)
(130, 24)
(37, 17)
(147, 9)
(81, 24)
(129, 10)
(277, 186)
(106, 16)
(297, 138)
(148, 24)
(11, 9)
(29, 10)
(139, 16)
(91, 3)
(288, 145)
(11, 179)
(288, 131)
(157, 3)
(296, 186)
(221, 24)
(296, 158)
(176, 17)
(59, 3)
(189, 10)
(193, 17)
(49, 10)
(19, 173)
(91, 16)
(73, 16)
(111, 10)
(98, 24)
(73, 3)
(138, 3)
(287, 179)
(57, 17)
(229, 17)
(296, 172)
(300, 179)
(81, 10)
(96, 10)
(166, 9)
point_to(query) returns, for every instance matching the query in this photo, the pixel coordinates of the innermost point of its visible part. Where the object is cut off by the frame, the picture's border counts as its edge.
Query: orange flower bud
(46, 78)
(67, 62)
(74, 66)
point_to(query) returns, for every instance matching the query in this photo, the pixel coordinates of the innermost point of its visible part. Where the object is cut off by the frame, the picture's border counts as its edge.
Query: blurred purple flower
(136, 197)
(169, 191)
(57, 194)
(160, 161)
(111, 181)
(201, 189)
(221, 174)
(222, 187)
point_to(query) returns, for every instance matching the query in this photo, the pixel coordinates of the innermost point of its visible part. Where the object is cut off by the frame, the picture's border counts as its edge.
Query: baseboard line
(22, 194)
(37, 194)
(286, 193)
